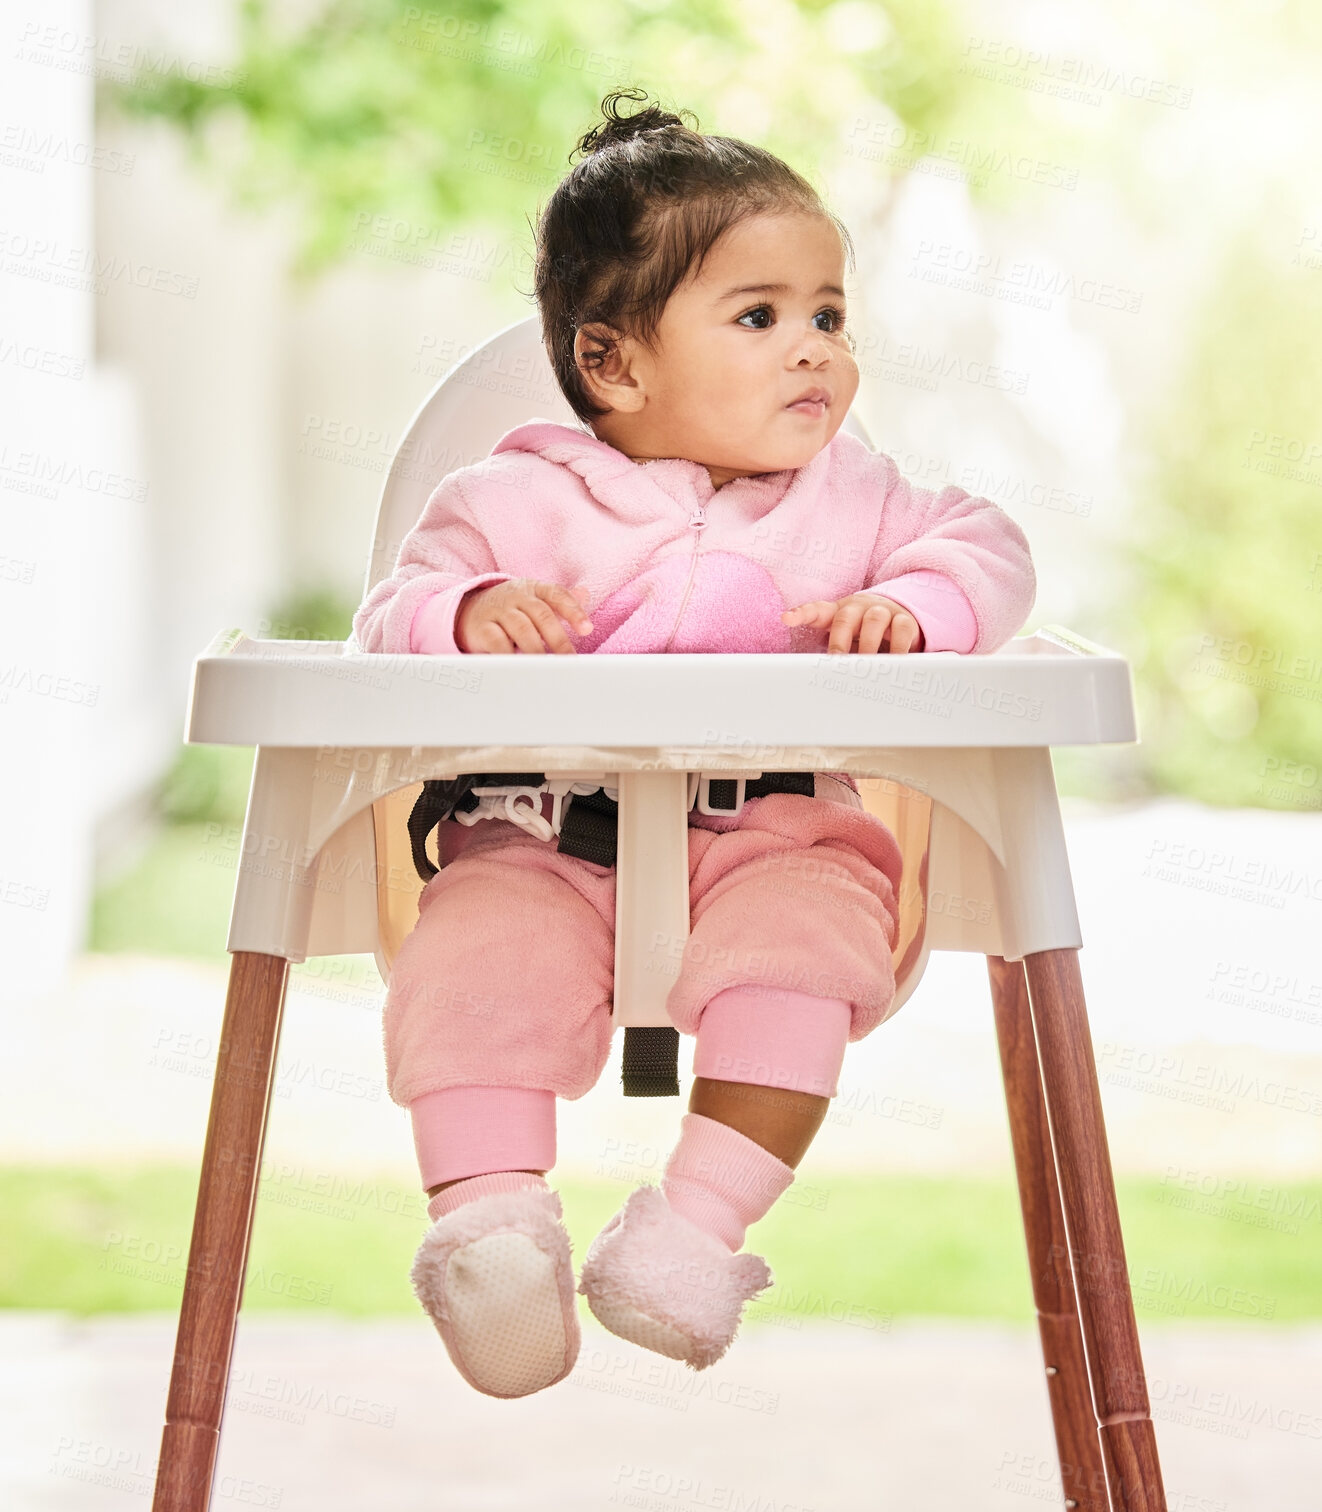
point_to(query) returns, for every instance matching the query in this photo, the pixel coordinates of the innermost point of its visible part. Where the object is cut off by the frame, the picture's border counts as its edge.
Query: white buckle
(705, 780)
(503, 802)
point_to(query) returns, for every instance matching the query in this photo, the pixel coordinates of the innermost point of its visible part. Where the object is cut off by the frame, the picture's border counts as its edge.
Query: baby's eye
(834, 315)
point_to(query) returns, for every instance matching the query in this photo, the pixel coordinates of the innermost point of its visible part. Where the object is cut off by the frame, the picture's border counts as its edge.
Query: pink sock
(473, 1131)
(721, 1180)
(773, 1038)
(480, 1186)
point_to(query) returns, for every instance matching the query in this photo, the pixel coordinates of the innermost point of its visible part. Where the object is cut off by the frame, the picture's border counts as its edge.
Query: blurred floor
(928, 1417)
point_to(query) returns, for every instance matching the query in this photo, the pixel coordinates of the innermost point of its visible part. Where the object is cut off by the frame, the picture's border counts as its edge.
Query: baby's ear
(605, 358)
(595, 344)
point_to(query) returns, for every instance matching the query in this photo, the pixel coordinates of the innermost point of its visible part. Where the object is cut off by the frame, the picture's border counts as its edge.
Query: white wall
(77, 671)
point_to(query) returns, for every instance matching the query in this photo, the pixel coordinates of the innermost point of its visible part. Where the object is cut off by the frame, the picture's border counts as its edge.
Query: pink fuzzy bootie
(669, 1280)
(658, 1280)
(496, 1276)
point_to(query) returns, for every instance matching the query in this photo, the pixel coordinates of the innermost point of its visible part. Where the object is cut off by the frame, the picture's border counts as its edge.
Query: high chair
(952, 752)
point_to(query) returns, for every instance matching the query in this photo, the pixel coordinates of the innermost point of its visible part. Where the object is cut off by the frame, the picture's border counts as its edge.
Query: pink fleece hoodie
(674, 565)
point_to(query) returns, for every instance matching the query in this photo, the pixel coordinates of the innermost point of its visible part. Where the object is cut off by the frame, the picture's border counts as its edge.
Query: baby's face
(739, 348)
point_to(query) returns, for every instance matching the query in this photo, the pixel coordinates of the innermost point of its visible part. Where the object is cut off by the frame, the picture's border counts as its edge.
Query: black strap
(723, 792)
(437, 801)
(441, 797)
(651, 1061)
(589, 829)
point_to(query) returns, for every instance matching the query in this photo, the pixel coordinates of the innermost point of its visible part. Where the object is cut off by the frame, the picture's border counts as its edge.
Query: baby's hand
(868, 616)
(519, 615)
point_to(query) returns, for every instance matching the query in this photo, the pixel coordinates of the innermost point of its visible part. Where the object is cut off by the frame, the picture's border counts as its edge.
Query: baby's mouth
(814, 402)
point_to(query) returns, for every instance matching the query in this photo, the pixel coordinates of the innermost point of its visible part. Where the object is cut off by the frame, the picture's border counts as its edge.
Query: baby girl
(691, 291)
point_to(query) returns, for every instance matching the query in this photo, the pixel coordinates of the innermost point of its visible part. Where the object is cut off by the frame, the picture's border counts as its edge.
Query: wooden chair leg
(222, 1227)
(1092, 1222)
(1077, 1444)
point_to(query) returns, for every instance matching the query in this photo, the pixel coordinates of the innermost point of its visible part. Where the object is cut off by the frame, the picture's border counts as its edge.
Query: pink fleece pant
(787, 1039)
(507, 978)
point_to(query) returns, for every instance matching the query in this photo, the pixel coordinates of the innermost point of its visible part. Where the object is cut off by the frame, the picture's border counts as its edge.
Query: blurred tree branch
(375, 119)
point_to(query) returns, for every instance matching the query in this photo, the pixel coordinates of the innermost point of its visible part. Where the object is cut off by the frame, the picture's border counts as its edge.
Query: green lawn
(858, 1250)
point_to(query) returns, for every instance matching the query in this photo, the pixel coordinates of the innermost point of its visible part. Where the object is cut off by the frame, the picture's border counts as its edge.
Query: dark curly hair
(644, 206)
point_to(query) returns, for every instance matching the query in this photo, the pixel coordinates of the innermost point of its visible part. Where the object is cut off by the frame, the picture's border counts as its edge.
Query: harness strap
(443, 796)
(437, 801)
(724, 790)
(589, 830)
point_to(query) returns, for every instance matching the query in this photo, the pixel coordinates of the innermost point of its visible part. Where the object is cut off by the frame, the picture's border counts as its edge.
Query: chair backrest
(503, 383)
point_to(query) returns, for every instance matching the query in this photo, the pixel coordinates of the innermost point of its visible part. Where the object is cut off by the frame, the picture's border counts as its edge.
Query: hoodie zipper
(698, 522)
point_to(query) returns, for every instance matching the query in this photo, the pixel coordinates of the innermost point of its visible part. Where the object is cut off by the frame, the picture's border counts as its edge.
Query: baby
(691, 290)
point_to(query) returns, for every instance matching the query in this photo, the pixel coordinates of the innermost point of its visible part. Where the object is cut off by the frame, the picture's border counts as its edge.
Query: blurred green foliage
(312, 614)
(210, 783)
(207, 783)
(176, 897)
(378, 121)
(1228, 666)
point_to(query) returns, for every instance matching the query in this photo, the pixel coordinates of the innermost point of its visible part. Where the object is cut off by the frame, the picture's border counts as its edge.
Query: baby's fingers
(565, 604)
(817, 614)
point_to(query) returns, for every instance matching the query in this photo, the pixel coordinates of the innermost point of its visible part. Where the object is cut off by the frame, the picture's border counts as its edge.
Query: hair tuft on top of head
(624, 128)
